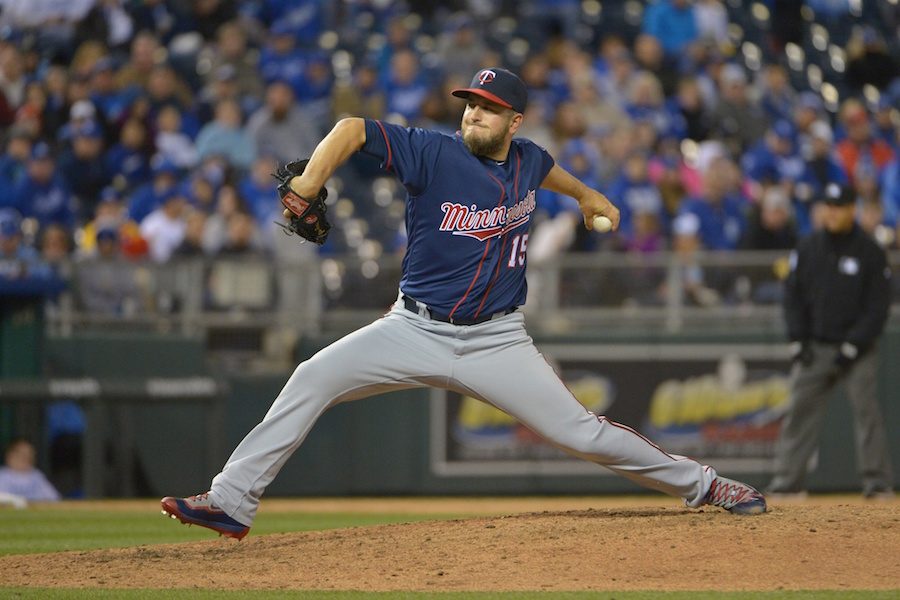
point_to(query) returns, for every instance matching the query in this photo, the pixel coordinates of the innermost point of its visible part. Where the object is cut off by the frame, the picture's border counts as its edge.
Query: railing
(331, 296)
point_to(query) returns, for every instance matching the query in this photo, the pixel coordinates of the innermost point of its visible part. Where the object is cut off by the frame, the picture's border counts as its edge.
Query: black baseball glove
(307, 215)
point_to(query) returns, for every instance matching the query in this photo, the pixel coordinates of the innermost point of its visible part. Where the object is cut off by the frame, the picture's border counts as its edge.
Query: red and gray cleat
(200, 510)
(735, 497)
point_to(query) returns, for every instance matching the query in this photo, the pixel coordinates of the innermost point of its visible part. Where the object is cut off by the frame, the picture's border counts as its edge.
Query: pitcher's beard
(483, 147)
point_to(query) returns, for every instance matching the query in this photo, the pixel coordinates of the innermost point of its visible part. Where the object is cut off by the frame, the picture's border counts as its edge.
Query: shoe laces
(728, 493)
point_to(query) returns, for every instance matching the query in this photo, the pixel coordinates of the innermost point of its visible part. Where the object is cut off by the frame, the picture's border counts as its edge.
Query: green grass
(57, 529)
(49, 594)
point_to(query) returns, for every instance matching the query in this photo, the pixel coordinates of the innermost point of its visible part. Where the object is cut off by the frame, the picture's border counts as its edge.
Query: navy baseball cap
(839, 195)
(497, 85)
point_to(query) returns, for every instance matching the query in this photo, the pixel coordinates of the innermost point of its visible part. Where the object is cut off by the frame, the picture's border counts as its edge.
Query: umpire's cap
(497, 85)
(838, 195)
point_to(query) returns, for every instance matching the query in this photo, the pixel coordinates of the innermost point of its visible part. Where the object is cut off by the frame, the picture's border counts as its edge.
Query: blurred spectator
(774, 159)
(224, 136)
(231, 49)
(362, 95)
(770, 225)
(650, 57)
(166, 89)
(228, 203)
(808, 109)
(12, 82)
(109, 23)
(687, 282)
(107, 284)
(43, 193)
(777, 97)
(280, 128)
(242, 237)
(869, 61)
(105, 94)
(737, 120)
(55, 246)
(822, 168)
(171, 142)
(127, 159)
(110, 212)
(17, 261)
(20, 477)
(14, 161)
(688, 106)
(260, 190)
(84, 169)
(883, 127)
(460, 46)
(164, 228)
(148, 197)
(860, 147)
(712, 21)
(192, 244)
(719, 209)
(645, 103)
(144, 55)
(405, 87)
(636, 198)
(280, 58)
(673, 23)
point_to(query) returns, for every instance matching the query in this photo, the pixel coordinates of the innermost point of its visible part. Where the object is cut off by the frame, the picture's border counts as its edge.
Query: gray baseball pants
(495, 362)
(811, 387)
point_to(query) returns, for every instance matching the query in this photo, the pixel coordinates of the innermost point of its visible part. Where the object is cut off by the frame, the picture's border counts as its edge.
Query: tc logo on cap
(486, 76)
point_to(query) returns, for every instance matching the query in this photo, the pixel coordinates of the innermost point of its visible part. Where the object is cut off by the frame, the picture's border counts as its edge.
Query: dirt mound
(831, 546)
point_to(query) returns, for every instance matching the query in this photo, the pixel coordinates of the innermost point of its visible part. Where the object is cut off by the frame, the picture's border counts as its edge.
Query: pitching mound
(821, 546)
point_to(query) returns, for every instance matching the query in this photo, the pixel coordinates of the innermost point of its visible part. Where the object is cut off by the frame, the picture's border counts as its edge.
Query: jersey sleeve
(409, 153)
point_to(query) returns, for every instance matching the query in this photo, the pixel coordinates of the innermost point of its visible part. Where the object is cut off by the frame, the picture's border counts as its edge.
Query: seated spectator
(17, 260)
(192, 244)
(242, 237)
(280, 128)
(83, 168)
(673, 23)
(14, 161)
(737, 120)
(771, 223)
(360, 96)
(43, 192)
(777, 97)
(719, 209)
(109, 212)
(230, 48)
(148, 197)
(20, 479)
(171, 142)
(128, 158)
(224, 136)
(107, 284)
(164, 228)
(260, 190)
(688, 284)
(405, 86)
(55, 245)
(774, 159)
(636, 196)
(859, 145)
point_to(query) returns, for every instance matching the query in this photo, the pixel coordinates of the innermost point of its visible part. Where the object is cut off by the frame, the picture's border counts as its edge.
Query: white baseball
(601, 224)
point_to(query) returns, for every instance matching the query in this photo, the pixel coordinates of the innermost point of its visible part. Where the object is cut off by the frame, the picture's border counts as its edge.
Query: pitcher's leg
(385, 355)
(520, 382)
(871, 440)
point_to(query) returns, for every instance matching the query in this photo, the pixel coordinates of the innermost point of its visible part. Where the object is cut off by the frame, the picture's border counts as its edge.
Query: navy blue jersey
(467, 218)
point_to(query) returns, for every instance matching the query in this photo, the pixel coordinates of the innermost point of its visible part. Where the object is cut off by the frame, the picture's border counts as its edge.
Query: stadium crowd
(148, 130)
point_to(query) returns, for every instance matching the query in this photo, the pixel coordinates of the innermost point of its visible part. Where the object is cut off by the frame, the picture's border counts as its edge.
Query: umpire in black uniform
(836, 304)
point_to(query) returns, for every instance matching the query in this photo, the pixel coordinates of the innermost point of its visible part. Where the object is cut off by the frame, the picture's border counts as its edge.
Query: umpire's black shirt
(838, 289)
